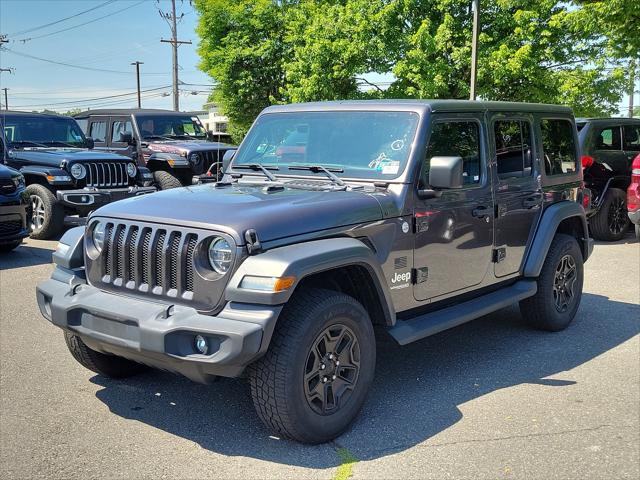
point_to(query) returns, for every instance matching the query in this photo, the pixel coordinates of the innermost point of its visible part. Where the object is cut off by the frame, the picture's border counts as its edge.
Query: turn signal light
(267, 284)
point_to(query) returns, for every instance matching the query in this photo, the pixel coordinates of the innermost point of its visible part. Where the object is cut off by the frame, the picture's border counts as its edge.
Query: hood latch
(253, 244)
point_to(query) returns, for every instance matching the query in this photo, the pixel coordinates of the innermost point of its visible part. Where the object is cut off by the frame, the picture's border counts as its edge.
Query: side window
(455, 139)
(513, 148)
(559, 147)
(631, 138)
(98, 131)
(120, 127)
(608, 139)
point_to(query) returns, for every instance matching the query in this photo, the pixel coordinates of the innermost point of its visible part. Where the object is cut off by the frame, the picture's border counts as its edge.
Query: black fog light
(201, 344)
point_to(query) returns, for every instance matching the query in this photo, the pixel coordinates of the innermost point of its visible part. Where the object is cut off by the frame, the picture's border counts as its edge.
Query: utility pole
(172, 18)
(632, 85)
(137, 64)
(6, 100)
(475, 6)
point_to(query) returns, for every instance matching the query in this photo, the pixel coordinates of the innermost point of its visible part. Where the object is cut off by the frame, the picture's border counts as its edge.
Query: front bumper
(94, 197)
(158, 335)
(14, 219)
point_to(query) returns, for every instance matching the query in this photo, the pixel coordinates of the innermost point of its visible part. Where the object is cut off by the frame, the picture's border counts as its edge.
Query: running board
(407, 331)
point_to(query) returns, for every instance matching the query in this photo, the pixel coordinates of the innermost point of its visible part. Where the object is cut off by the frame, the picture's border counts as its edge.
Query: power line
(81, 67)
(82, 24)
(39, 27)
(89, 100)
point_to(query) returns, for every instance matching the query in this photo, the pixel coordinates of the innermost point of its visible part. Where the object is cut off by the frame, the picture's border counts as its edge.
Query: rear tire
(47, 214)
(556, 302)
(611, 222)
(105, 365)
(165, 180)
(314, 379)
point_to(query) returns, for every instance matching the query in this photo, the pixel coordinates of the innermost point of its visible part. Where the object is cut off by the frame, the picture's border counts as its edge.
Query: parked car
(65, 178)
(414, 216)
(608, 148)
(173, 145)
(633, 196)
(14, 203)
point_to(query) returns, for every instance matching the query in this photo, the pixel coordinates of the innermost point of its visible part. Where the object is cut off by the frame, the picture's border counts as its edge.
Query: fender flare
(552, 216)
(302, 260)
(173, 160)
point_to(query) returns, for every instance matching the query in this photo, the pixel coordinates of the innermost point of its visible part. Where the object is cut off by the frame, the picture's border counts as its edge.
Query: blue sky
(132, 33)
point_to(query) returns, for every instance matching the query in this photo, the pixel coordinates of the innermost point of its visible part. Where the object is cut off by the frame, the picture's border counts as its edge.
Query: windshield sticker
(391, 168)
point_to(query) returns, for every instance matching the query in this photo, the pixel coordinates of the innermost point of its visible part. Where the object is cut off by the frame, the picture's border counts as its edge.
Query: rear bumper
(635, 217)
(159, 335)
(94, 198)
(14, 219)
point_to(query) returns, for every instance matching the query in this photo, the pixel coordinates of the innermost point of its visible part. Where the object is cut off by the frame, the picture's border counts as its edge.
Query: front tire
(611, 222)
(556, 302)
(314, 379)
(165, 180)
(47, 214)
(105, 365)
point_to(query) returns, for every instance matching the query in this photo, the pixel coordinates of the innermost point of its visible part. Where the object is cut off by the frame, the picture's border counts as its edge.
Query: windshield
(37, 131)
(170, 126)
(367, 144)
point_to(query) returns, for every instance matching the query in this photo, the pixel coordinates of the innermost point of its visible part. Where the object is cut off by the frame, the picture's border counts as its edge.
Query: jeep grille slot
(148, 259)
(107, 174)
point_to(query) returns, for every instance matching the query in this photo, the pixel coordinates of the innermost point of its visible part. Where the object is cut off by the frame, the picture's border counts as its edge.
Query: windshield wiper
(156, 137)
(319, 168)
(257, 167)
(25, 143)
(64, 144)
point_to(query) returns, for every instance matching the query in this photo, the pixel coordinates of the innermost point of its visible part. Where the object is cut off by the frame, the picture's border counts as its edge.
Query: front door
(631, 142)
(518, 195)
(454, 232)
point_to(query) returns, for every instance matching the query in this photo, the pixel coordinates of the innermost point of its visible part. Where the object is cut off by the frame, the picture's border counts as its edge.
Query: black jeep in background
(609, 146)
(14, 203)
(173, 145)
(64, 177)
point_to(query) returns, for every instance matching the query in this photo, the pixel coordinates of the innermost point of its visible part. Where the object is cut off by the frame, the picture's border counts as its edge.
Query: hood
(234, 209)
(187, 146)
(55, 156)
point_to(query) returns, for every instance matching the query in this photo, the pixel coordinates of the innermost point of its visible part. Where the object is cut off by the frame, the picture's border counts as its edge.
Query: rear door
(454, 232)
(608, 148)
(518, 195)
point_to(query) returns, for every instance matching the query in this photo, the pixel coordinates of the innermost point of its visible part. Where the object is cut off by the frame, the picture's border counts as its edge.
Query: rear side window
(455, 139)
(513, 148)
(609, 139)
(98, 131)
(559, 147)
(631, 137)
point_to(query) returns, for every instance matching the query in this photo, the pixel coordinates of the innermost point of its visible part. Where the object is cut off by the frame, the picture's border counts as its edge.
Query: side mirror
(444, 173)
(126, 137)
(90, 143)
(226, 159)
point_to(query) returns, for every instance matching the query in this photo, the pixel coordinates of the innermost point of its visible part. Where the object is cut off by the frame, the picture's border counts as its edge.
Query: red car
(633, 195)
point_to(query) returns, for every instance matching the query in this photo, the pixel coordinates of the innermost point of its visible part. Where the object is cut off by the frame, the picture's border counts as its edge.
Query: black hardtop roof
(422, 105)
(612, 120)
(31, 114)
(129, 111)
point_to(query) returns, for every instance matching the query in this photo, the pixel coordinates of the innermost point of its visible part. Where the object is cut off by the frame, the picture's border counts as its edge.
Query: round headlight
(98, 235)
(194, 158)
(131, 169)
(220, 255)
(78, 171)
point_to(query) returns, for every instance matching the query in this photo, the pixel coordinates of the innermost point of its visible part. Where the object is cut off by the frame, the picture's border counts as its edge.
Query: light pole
(475, 6)
(137, 64)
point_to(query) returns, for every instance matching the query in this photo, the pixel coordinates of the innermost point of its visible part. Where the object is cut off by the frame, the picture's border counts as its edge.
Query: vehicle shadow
(25, 256)
(415, 395)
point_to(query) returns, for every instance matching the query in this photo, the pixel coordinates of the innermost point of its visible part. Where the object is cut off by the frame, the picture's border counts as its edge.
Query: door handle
(480, 212)
(532, 201)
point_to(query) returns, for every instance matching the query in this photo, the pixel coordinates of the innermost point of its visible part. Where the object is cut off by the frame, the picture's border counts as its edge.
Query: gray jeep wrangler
(414, 216)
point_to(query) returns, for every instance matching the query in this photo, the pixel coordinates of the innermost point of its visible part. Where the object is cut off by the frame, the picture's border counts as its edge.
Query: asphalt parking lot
(490, 399)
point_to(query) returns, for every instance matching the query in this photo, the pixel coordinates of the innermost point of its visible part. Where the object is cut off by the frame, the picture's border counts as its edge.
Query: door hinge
(419, 275)
(499, 254)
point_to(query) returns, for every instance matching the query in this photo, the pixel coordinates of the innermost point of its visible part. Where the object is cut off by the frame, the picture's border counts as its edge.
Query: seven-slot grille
(156, 260)
(107, 174)
(11, 227)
